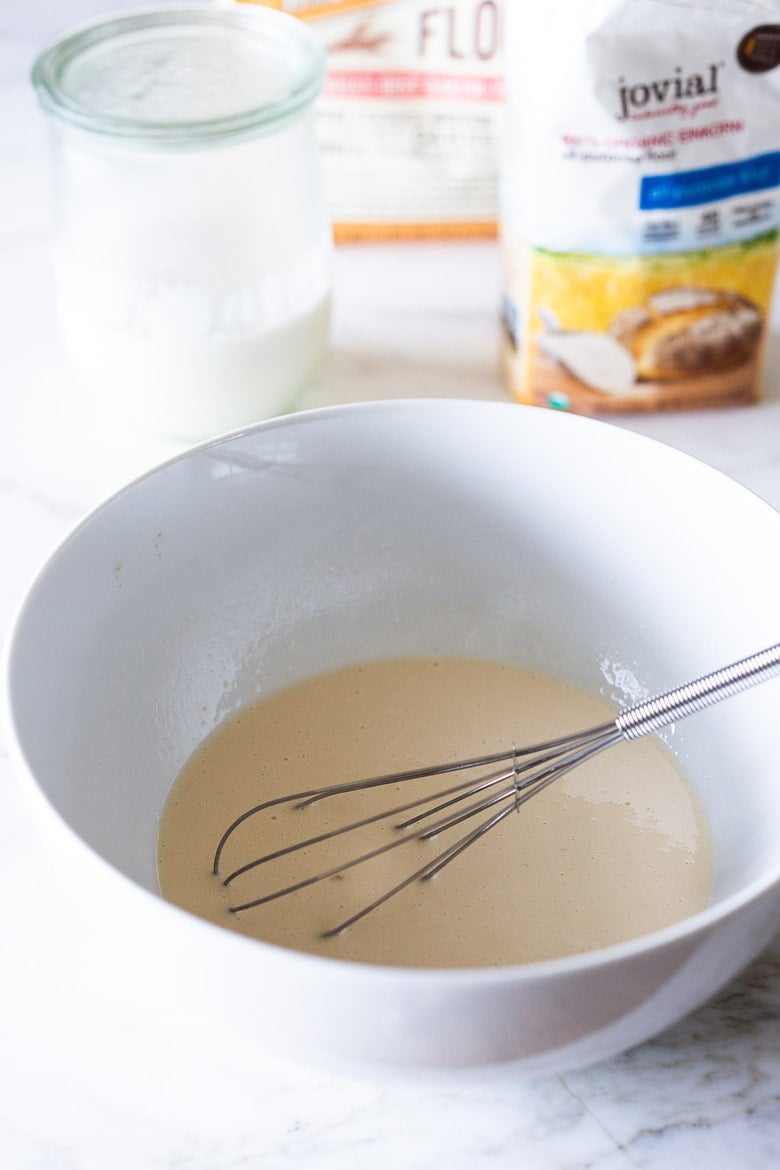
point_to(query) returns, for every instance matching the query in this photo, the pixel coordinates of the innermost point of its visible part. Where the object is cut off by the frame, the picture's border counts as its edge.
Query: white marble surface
(91, 1077)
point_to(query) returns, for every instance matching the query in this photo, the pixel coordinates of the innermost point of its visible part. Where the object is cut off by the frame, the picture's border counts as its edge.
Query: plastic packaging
(640, 202)
(410, 114)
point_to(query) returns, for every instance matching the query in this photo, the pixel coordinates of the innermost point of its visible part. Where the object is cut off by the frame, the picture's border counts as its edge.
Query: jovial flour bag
(640, 203)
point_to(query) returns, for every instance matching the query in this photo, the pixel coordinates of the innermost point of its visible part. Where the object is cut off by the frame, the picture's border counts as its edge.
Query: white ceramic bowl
(387, 529)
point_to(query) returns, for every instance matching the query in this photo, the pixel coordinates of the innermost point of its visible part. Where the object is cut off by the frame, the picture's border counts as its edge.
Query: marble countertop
(91, 1077)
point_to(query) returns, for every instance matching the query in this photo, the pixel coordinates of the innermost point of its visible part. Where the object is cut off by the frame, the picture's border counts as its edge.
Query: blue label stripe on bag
(707, 184)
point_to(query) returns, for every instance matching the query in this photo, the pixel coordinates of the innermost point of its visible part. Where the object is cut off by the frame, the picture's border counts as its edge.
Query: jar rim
(275, 35)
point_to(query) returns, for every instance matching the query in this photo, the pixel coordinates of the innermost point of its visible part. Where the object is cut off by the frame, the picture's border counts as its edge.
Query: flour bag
(639, 208)
(410, 114)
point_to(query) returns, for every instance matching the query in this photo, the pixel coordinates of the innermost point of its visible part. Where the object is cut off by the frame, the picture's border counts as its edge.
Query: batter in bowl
(616, 849)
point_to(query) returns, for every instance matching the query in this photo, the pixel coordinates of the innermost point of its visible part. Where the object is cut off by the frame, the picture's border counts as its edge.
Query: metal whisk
(525, 772)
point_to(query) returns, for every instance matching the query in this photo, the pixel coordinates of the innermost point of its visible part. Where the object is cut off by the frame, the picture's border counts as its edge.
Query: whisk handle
(702, 692)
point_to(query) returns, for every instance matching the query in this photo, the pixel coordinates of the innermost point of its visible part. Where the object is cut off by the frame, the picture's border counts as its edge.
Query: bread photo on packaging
(682, 332)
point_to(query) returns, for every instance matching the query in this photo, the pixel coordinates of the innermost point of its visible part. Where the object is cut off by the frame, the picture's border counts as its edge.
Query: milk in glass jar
(192, 248)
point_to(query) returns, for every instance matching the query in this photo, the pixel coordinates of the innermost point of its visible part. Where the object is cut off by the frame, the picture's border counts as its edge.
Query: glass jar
(192, 247)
